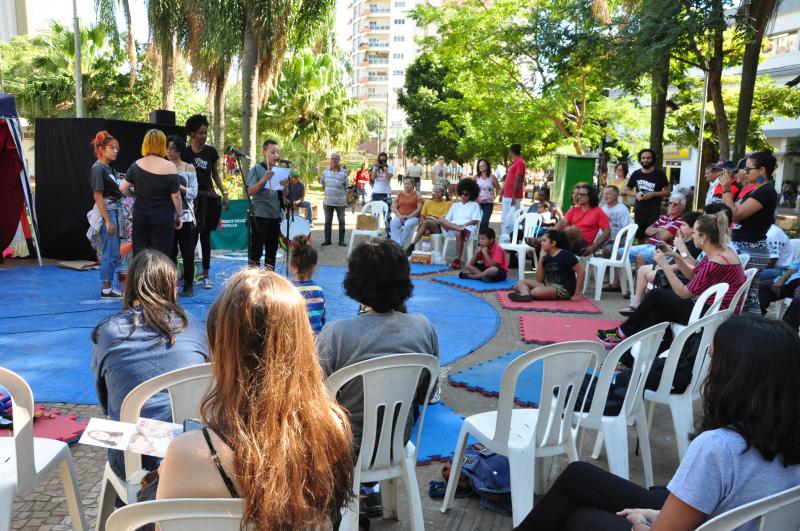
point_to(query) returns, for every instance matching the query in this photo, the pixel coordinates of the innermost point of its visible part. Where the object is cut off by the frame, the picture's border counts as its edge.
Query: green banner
(231, 235)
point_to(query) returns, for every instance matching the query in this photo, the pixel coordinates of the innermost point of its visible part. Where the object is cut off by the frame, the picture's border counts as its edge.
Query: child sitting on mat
(489, 264)
(558, 275)
(302, 265)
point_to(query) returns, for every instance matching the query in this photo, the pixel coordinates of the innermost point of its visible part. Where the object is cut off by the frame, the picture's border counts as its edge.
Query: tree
(375, 123)
(168, 24)
(107, 13)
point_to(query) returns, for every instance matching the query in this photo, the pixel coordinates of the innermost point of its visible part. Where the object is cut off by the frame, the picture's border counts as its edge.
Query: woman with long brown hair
(273, 436)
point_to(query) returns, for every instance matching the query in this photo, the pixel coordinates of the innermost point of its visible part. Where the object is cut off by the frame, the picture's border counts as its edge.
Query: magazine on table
(146, 437)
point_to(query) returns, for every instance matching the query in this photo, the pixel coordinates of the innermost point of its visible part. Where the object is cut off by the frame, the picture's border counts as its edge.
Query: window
(399, 38)
(399, 4)
(397, 56)
(399, 21)
(400, 72)
(784, 43)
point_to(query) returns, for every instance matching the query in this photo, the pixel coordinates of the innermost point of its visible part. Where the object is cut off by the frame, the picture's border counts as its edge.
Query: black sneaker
(342, 244)
(326, 243)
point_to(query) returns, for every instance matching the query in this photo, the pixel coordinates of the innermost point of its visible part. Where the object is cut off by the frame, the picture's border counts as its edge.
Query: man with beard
(648, 185)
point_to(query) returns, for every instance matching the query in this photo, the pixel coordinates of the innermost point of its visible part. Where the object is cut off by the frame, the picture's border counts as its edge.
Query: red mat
(545, 329)
(582, 306)
(54, 425)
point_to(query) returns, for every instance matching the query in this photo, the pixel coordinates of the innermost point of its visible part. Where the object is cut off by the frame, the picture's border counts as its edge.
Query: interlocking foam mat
(428, 269)
(49, 314)
(439, 434)
(475, 285)
(485, 378)
(584, 305)
(52, 424)
(545, 329)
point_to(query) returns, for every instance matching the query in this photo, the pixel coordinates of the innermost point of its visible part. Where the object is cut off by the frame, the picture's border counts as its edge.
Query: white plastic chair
(26, 461)
(619, 260)
(779, 512)
(614, 429)
(744, 258)
(379, 210)
(186, 388)
(390, 385)
(185, 514)
(783, 304)
(680, 405)
(738, 300)
(525, 434)
(716, 293)
(469, 245)
(533, 222)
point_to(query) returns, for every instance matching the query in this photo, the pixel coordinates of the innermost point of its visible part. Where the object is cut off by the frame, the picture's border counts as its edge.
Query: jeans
(340, 214)
(647, 251)
(386, 198)
(307, 206)
(401, 232)
(264, 234)
(486, 213)
(153, 226)
(110, 259)
(186, 239)
(509, 215)
(767, 296)
(587, 497)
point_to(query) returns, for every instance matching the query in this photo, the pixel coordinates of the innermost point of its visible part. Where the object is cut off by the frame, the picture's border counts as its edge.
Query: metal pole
(700, 145)
(78, 77)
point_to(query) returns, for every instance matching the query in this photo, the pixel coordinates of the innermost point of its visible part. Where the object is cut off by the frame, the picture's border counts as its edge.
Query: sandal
(517, 297)
(456, 264)
(626, 312)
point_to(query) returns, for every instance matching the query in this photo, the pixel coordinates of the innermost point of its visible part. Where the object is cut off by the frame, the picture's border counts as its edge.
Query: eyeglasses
(675, 204)
(582, 193)
(755, 168)
(464, 193)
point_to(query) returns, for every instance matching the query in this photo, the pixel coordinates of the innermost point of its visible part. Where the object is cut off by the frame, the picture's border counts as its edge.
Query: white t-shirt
(500, 172)
(414, 171)
(780, 246)
(618, 216)
(462, 213)
(383, 180)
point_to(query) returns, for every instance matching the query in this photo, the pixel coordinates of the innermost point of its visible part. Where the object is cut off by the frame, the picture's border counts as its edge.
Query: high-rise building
(380, 45)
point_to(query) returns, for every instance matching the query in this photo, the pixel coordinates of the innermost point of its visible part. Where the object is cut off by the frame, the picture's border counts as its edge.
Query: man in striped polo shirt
(663, 230)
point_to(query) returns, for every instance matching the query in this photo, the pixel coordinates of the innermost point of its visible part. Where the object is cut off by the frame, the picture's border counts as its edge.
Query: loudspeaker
(160, 116)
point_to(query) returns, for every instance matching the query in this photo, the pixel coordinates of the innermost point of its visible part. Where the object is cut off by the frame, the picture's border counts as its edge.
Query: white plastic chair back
(779, 512)
(744, 258)
(186, 388)
(737, 302)
(379, 209)
(518, 219)
(195, 514)
(623, 239)
(533, 222)
(565, 365)
(716, 293)
(795, 249)
(644, 349)
(390, 384)
(22, 402)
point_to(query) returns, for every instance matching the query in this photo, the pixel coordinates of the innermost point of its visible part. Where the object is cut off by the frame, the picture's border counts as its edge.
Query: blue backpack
(489, 477)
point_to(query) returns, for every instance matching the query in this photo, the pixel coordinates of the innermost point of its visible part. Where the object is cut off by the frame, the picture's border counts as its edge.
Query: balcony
(377, 28)
(372, 45)
(373, 96)
(375, 61)
(374, 79)
(375, 12)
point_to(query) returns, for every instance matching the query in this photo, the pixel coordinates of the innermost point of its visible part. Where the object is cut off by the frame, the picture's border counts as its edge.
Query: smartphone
(192, 425)
(663, 247)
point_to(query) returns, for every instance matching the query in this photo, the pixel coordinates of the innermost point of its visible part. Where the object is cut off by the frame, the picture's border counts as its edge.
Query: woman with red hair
(105, 189)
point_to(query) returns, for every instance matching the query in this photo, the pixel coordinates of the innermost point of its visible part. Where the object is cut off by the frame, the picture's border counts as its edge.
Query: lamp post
(78, 76)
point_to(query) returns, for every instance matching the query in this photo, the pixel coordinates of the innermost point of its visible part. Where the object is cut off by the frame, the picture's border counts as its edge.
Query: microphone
(230, 150)
(285, 161)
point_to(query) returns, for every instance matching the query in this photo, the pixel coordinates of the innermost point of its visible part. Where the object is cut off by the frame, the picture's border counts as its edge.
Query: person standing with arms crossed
(512, 191)
(265, 222)
(648, 185)
(208, 206)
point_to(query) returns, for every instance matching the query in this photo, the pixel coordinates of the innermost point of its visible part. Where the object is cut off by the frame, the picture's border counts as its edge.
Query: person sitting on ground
(272, 435)
(302, 264)
(461, 221)
(618, 214)
(684, 255)
(582, 223)
(720, 264)
(558, 276)
(489, 264)
(433, 210)
(663, 230)
(745, 447)
(150, 336)
(406, 208)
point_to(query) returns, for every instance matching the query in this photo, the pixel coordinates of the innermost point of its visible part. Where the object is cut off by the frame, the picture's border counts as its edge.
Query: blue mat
(439, 434)
(49, 313)
(485, 378)
(476, 285)
(428, 269)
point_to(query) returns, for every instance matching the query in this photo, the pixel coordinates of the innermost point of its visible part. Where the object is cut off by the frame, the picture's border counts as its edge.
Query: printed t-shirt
(558, 270)
(498, 257)
(516, 170)
(780, 247)
(103, 179)
(486, 187)
(708, 273)
(435, 208)
(716, 193)
(755, 227)
(152, 186)
(203, 161)
(589, 222)
(315, 302)
(665, 222)
(382, 180)
(655, 181)
(439, 174)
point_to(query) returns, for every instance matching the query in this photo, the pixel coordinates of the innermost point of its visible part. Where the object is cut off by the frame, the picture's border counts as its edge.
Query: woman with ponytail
(106, 193)
(753, 215)
(674, 304)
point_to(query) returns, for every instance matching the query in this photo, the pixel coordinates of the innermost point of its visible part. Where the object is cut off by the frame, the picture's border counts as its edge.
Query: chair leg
(412, 491)
(349, 513)
(389, 499)
(105, 505)
(444, 249)
(682, 419)
(455, 471)
(598, 445)
(6, 502)
(352, 241)
(651, 406)
(599, 276)
(644, 447)
(629, 280)
(72, 492)
(616, 436)
(523, 479)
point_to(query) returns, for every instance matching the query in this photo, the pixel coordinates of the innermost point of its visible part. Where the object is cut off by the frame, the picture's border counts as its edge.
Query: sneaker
(463, 274)
(326, 243)
(342, 244)
(110, 293)
(609, 338)
(625, 312)
(207, 283)
(187, 292)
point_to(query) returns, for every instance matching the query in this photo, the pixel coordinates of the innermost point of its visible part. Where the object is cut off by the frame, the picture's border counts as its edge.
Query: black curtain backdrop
(63, 194)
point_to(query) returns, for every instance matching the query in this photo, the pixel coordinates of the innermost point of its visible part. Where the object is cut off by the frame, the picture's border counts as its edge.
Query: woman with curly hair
(272, 436)
(463, 217)
(584, 221)
(746, 445)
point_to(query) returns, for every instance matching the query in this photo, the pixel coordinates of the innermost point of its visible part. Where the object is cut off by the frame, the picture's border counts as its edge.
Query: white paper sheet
(279, 174)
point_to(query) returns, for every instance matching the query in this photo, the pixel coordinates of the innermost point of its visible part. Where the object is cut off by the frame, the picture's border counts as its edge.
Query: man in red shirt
(584, 221)
(513, 189)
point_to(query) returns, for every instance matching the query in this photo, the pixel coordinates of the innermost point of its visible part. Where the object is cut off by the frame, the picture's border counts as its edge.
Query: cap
(725, 165)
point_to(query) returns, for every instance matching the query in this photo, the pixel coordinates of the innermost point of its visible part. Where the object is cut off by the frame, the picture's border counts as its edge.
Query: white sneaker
(110, 293)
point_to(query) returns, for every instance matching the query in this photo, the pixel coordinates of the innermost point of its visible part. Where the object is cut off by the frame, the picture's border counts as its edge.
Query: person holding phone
(382, 175)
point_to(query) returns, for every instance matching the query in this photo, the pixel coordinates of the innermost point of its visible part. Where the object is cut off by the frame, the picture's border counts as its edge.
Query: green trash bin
(569, 170)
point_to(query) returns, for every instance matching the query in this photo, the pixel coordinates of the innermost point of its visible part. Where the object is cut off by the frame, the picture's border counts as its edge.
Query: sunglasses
(582, 193)
(674, 204)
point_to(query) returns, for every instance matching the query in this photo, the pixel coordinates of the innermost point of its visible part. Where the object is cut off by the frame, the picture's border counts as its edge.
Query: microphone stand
(251, 217)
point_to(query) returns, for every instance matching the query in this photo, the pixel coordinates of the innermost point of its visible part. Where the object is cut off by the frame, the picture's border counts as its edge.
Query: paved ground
(44, 507)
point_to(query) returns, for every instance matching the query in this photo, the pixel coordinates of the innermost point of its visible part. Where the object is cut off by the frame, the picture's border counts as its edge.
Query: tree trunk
(249, 91)
(658, 106)
(126, 8)
(715, 92)
(168, 70)
(761, 12)
(220, 87)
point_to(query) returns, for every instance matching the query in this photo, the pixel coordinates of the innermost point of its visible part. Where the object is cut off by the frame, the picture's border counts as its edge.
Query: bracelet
(643, 521)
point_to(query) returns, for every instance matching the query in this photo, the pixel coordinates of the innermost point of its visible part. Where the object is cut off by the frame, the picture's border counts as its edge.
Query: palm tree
(168, 26)
(107, 13)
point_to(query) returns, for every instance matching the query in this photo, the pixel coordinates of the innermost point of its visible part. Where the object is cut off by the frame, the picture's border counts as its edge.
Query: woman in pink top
(489, 187)
(489, 264)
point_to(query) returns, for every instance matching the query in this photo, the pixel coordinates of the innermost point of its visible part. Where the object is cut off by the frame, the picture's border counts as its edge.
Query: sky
(41, 12)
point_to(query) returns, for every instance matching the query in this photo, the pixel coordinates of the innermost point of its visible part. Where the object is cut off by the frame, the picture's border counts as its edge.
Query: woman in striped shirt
(720, 264)
(302, 265)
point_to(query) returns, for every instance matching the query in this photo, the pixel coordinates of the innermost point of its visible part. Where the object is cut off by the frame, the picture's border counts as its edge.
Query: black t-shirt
(655, 181)
(755, 227)
(152, 186)
(103, 179)
(558, 270)
(203, 162)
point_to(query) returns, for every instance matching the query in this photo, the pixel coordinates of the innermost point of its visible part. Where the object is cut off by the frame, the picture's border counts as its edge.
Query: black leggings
(659, 306)
(205, 248)
(264, 240)
(587, 497)
(153, 226)
(186, 239)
